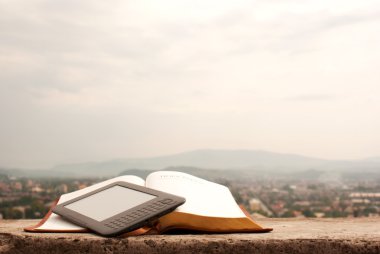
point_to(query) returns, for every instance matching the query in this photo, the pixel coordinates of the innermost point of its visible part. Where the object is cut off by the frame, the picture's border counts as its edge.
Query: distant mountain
(34, 173)
(375, 159)
(251, 160)
(230, 163)
(209, 159)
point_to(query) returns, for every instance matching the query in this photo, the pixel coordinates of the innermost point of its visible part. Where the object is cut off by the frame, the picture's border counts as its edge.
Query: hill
(251, 160)
(199, 162)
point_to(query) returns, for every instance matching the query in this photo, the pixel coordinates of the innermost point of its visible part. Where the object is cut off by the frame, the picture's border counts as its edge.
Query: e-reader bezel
(169, 203)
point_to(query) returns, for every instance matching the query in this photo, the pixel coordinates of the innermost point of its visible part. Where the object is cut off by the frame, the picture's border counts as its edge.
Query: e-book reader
(118, 207)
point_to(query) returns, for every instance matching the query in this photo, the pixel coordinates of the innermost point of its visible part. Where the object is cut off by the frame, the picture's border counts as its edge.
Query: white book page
(202, 197)
(56, 222)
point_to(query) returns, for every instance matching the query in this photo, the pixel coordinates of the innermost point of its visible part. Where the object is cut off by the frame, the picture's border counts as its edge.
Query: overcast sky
(96, 80)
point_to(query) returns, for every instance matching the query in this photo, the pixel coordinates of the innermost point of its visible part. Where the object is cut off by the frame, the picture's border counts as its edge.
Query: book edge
(45, 218)
(166, 224)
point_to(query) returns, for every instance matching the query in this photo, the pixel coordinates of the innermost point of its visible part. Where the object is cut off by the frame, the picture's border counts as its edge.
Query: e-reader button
(159, 204)
(167, 201)
(150, 208)
(130, 218)
(109, 225)
(146, 210)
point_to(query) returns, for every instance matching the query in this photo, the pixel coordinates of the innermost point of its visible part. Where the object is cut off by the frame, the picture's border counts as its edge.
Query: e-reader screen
(109, 202)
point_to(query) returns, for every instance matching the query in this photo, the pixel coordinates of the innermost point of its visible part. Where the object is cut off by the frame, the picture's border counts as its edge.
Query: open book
(209, 207)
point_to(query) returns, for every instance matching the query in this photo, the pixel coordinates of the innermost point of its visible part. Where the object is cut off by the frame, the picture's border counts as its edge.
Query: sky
(97, 80)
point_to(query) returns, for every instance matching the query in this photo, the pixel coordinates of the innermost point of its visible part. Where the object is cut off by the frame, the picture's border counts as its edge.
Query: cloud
(323, 22)
(221, 68)
(312, 97)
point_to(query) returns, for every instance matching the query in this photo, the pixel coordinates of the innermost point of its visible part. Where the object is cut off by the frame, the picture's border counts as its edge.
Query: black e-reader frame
(126, 217)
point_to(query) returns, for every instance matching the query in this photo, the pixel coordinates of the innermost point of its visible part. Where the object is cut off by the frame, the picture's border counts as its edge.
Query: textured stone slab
(289, 236)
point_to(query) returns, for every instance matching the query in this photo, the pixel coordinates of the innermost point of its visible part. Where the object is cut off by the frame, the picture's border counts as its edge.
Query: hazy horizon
(186, 152)
(94, 81)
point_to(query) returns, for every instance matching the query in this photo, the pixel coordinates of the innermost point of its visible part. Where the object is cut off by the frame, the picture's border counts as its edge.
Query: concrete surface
(288, 236)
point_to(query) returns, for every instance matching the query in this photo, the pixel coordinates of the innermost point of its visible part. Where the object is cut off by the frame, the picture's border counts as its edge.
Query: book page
(56, 222)
(203, 197)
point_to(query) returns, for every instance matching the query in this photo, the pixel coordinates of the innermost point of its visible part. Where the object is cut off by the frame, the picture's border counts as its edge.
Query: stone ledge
(289, 236)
